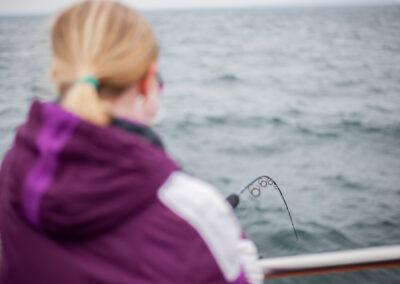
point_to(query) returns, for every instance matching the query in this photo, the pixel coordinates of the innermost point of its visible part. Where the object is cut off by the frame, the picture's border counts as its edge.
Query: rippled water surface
(308, 96)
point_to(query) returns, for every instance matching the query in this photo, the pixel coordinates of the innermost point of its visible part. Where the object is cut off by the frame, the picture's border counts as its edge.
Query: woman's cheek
(152, 107)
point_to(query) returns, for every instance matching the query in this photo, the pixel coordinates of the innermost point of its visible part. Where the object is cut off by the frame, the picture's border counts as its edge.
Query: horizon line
(218, 7)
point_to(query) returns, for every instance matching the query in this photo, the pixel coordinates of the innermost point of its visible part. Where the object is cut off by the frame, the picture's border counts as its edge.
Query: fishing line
(262, 182)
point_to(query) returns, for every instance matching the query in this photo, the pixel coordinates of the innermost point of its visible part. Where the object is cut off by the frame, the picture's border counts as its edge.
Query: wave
(246, 121)
(341, 181)
(246, 149)
(225, 78)
(324, 133)
(357, 125)
(336, 130)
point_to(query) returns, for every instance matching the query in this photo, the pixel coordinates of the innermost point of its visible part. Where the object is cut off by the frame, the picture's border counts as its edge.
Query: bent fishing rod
(321, 263)
(255, 188)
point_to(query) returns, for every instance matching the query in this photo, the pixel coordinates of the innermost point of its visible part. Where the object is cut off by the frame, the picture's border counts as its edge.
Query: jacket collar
(139, 129)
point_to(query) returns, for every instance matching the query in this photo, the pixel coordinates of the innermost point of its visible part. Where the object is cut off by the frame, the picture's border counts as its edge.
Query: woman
(88, 195)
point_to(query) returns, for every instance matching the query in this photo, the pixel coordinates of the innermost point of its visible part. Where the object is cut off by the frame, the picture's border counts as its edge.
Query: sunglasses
(160, 81)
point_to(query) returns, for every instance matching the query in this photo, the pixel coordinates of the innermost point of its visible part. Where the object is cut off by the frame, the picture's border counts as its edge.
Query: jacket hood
(82, 179)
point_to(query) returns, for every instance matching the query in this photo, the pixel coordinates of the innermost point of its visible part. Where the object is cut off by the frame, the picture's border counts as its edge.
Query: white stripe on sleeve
(202, 206)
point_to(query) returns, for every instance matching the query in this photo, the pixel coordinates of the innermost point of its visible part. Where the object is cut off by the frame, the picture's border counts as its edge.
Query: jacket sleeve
(221, 255)
(4, 180)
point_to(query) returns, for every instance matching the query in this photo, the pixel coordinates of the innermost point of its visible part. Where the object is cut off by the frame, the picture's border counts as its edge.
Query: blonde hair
(103, 39)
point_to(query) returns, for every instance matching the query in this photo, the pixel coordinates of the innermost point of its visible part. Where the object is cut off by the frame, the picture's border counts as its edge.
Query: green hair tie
(90, 80)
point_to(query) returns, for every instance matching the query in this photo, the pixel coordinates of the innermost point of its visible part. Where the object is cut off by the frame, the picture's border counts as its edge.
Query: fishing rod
(255, 188)
(321, 263)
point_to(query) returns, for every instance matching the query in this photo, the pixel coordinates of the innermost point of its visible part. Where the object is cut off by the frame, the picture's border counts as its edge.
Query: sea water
(308, 96)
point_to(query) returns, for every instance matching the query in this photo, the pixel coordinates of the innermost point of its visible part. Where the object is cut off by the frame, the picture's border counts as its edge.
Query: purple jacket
(88, 204)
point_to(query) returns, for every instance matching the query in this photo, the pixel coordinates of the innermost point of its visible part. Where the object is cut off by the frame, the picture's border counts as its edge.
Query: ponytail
(82, 99)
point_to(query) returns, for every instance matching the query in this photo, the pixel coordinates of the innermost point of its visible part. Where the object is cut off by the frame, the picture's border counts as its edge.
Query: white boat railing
(331, 262)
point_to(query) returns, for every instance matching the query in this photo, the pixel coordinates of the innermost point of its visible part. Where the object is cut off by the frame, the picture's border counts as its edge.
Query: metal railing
(331, 262)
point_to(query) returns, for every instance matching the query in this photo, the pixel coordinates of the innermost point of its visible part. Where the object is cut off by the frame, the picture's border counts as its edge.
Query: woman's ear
(146, 84)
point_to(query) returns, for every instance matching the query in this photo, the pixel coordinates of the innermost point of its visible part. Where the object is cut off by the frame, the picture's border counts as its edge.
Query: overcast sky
(49, 6)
